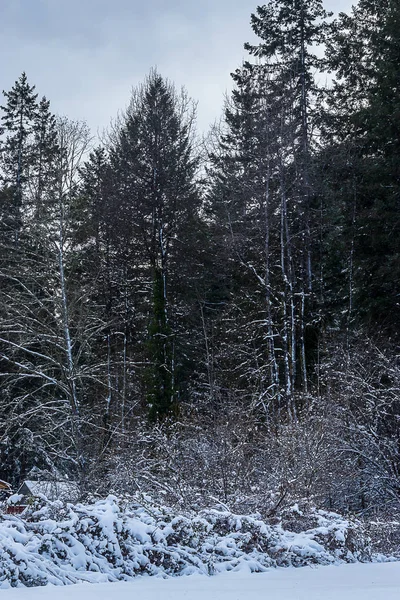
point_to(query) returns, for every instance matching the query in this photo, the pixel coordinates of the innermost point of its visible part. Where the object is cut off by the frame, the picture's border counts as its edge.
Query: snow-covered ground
(111, 540)
(377, 581)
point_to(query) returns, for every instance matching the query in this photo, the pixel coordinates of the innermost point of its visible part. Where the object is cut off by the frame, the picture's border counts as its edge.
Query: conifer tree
(264, 182)
(363, 126)
(16, 152)
(155, 197)
(45, 151)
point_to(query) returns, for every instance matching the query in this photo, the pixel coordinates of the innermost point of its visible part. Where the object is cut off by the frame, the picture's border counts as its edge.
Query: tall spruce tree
(16, 151)
(156, 197)
(290, 31)
(264, 175)
(45, 151)
(364, 126)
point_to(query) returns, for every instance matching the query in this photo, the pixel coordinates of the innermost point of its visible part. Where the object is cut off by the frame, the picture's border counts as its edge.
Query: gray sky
(86, 55)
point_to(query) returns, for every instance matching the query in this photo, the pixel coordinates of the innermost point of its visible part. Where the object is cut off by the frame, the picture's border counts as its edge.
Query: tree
(364, 125)
(45, 151)
(290, 31)
(16, 156)
(154, 192)
(265, 184)
(47, 329)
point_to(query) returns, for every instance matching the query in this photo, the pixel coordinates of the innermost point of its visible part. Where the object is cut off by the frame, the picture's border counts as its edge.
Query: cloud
(86, 55)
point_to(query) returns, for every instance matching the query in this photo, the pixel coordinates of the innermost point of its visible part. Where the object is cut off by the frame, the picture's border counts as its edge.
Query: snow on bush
(113, 539)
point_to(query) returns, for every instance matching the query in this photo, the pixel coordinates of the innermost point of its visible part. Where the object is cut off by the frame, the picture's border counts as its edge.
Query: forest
(213, 318)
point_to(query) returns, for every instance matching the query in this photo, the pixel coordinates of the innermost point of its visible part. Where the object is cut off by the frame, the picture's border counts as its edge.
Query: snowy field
(345, 582)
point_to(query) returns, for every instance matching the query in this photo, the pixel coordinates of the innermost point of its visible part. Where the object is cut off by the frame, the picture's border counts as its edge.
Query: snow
(53, 490)
(115, 540)
(15, 498)
(373, 581)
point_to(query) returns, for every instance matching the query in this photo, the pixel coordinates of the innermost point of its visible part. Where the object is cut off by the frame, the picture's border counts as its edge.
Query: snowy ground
(345, 582)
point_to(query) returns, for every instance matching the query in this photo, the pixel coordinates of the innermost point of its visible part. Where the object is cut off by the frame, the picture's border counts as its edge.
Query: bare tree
(47, 326)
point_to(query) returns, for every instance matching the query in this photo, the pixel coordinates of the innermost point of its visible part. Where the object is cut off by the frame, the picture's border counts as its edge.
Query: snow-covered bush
(114, 539)
(385, 536)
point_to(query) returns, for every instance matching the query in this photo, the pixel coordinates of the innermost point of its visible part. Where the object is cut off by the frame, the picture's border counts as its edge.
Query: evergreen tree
(45, 151)
(155, 197)
(105, 274)
(16, 151)
(364, 126)
(265, 182)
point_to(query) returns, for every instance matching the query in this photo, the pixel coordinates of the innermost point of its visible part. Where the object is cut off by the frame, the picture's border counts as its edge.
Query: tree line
(207, 316)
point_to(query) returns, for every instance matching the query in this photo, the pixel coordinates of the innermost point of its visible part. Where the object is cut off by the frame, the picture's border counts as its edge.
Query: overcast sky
(86, 55)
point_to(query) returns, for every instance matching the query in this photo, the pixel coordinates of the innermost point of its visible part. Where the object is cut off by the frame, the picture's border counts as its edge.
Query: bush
(117, 539)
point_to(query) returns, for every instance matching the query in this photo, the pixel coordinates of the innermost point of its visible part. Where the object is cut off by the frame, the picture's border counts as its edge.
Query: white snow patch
(374, 581)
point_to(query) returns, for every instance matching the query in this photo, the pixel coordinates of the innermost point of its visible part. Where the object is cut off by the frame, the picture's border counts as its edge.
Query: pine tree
(155, 197)
(16, 151)
(265, 183)
(104, 273)
(364, 127)
(45, 150)
(290, 31)
(243, 204)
